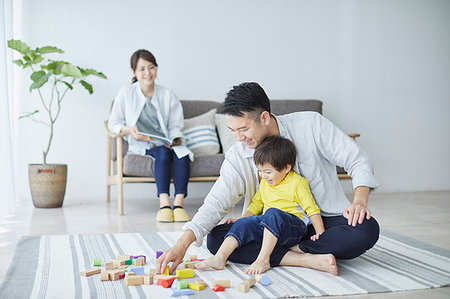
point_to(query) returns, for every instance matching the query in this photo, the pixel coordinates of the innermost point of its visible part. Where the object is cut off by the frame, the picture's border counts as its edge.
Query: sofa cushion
(200, 134)
(142, 166)
(226, 137)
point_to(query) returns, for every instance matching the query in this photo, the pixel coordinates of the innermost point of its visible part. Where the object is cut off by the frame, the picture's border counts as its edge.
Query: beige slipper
(165, 214)
(180, 215)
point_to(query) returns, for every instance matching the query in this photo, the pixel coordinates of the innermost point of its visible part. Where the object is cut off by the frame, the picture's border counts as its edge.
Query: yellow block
(185, 273)
(196, 286)
(166, 272)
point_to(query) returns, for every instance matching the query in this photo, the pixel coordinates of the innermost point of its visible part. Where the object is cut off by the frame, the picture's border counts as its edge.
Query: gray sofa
(139, 169)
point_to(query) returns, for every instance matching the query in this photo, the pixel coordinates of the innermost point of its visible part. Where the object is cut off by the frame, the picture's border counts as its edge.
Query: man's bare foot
(323, 262)
(258, 267)
(214, 262)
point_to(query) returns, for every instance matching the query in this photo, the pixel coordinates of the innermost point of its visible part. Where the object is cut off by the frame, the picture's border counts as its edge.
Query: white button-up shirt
(320, 147)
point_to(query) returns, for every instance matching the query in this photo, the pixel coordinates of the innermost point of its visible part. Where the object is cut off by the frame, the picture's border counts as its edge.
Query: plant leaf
(67, 84)
(19, 62)
(36, 76)
(28, 114)
(38, 58)
(19, 46)
(55, 67)
(42, 80)
(87, 72)
(49, 49)
(69, 70)
(87, 86)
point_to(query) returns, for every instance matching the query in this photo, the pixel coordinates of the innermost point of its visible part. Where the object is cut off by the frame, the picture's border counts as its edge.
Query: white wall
(380, 67)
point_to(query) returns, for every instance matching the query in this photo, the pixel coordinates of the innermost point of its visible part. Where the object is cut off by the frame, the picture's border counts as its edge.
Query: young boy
(287, 204)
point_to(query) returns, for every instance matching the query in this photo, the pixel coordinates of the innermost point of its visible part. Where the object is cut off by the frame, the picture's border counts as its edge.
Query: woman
(146, 107)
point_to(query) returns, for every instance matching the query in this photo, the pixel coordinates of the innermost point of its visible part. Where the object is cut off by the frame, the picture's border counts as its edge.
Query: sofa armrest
(354, 136)
(111, 134)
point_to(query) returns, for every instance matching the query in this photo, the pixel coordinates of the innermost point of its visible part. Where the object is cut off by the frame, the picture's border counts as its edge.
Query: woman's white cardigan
(128, 106)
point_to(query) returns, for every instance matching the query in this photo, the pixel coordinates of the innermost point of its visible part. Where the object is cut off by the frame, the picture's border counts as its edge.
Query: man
(349, 228)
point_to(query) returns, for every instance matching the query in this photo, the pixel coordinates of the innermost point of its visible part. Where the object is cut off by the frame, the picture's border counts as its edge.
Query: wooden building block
(140, 261)
(251, 281)
(97, 262)
(104, 276)
(158, 254)
(185, 292)
(223, 283)
(91, 272)
(114, 275)
(218, 288)
(201, 282)
(109, 266)
(133, 280)
(138, 270)
(140, 257)
(263, 279)
(245, 286)
(182, 284)
(166, 272)
(121, 275)
(167, 283)
(192, 257)
(118, 263)
(147, 279)
(156, 277)
(185, 273)
(196, 286)
(152, 272)
(124, 257)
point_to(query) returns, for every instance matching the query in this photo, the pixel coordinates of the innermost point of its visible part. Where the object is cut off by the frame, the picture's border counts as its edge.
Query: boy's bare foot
(214, 262)
(323, 262)
(258, 267)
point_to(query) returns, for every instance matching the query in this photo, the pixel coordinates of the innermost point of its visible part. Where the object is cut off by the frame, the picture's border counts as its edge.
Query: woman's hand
(134, 132)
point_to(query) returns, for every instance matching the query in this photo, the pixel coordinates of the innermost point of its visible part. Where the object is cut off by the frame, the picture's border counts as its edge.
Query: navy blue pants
(340, 239)
(164, 157)
(287, 228)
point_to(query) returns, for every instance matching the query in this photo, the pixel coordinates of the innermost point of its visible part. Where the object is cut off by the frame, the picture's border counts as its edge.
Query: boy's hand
(231, 220)
(315, 237)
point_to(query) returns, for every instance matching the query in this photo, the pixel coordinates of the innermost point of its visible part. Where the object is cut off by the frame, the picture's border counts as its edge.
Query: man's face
(247, 129)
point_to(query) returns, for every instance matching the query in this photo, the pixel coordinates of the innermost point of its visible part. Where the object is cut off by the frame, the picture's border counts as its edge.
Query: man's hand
(358, 210)
(176, 141)
(175, 254)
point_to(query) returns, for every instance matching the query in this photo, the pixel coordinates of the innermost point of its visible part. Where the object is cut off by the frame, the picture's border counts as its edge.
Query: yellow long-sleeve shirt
(292, 195)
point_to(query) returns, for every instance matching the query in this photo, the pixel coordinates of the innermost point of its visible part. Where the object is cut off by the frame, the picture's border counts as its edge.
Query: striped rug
(49, 266)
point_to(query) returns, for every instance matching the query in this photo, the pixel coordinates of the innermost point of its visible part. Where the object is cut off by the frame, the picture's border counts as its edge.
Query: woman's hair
(144, 54)
(246, 97)
(276, 151)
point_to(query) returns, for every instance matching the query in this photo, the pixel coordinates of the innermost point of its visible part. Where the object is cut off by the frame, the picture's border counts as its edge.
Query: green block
(128, 262)
(182, 284)
(97, 262)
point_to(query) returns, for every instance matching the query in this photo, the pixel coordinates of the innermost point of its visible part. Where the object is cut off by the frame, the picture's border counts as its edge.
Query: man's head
(274, 157)
(247, 109)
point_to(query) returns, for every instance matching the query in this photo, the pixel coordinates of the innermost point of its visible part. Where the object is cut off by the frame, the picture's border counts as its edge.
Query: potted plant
(48, 181)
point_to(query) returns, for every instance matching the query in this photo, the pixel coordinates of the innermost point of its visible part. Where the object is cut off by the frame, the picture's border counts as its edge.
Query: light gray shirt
(320, 147)
(148, 120)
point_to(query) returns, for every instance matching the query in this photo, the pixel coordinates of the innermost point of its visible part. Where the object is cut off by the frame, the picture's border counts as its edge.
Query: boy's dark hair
(276, 151)
(246, 97)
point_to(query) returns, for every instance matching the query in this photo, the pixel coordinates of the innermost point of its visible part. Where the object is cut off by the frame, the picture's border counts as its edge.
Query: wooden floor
(422, 215)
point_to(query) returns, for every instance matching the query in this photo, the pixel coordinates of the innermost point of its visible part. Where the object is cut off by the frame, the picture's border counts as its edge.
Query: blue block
(265, 280)
(182, 293)
(174, 284)
(139, 270)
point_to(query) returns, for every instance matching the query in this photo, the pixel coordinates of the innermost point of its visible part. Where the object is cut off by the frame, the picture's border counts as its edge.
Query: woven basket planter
(47, 184)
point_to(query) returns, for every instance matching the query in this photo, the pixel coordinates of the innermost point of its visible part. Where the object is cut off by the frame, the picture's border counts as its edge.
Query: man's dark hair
(246, 97)
(276, 151)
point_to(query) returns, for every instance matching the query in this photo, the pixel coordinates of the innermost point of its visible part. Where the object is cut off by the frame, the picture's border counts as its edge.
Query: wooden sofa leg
(108, 193)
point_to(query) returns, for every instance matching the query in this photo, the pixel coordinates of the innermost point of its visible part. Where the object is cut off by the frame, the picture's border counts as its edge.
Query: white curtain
(7, 184)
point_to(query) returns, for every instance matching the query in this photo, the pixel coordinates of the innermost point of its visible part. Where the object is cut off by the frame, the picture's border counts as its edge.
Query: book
(155, 140)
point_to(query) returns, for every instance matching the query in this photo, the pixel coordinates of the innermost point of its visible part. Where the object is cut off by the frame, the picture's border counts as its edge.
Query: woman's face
(145, 72)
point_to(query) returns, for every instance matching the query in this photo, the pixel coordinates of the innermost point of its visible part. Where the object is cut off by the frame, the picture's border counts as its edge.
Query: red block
(121, 275)
(218, 288)
(159, 282)
(166, 283)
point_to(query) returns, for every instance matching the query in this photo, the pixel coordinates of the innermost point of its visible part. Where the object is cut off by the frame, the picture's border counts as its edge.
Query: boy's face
(247, 129)
(271, 175)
